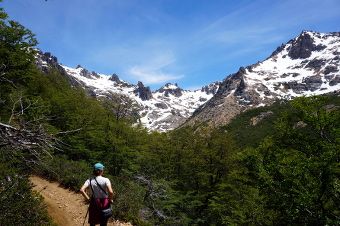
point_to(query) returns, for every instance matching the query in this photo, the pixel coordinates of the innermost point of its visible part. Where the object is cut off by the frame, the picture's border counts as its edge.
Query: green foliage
(16, 57)
(190, 166)
(19, 205)
(69, 173)
(246, 134)
(128, 200)
(297, 169)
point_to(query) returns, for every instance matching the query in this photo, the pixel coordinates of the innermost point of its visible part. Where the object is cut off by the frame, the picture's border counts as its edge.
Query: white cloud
(261, 23)
(154, 71)
(151, 76)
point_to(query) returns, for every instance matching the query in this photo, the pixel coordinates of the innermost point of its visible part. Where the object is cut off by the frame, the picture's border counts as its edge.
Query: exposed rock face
(50, 59)
(316, 64)
(331, 69)
(175, 120)
(143, 92)
(335, 81)
(114, 78)
(212, 88)
(172, 89)
(46, 62)
(302, 47)
(313, 82)
(224, 105)
(255, 120)
(161, 105)
(94, 74)
(86, 73)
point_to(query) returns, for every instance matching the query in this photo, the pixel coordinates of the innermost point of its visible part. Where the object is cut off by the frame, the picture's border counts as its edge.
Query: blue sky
(191, 42)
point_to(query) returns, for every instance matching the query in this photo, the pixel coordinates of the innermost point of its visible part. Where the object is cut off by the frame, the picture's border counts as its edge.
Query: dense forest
(282, 170)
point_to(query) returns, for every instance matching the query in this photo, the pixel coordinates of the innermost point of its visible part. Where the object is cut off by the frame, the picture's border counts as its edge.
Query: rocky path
(66, 207)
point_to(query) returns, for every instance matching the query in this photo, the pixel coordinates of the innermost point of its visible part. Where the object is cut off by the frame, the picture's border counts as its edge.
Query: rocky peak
(44, 60)
(171, 86)
(85, 73)
(94, 74)
(143, 92)
(114, 78)
(49, 58)
(172, 89)
(303, 46)
(234, 82)
(211, 88)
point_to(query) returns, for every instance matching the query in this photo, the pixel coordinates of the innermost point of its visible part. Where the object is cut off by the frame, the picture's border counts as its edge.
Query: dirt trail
(66, 207)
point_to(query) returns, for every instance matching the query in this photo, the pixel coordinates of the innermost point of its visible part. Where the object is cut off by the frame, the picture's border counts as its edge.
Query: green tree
(299, 167)
(16, 57)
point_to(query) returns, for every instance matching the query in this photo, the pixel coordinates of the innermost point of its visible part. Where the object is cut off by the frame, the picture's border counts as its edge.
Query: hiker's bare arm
(109, 188)
(83, 192)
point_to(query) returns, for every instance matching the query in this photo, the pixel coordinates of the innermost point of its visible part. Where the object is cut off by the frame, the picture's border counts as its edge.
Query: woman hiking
(101, 196)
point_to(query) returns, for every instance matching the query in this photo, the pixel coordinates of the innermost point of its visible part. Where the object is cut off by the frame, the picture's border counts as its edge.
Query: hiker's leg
(104, 222)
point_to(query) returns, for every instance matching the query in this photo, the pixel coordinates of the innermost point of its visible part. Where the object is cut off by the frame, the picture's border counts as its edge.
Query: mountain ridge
(306, 65)
(162, 110)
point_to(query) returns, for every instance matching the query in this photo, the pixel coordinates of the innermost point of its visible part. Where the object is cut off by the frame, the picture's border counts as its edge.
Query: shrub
(19, 205)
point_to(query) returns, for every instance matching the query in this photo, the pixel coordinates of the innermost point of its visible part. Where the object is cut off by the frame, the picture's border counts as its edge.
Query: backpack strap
(93, 196)
(100, 186)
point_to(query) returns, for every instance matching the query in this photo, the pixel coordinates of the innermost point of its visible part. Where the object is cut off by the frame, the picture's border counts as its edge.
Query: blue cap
(98, 166)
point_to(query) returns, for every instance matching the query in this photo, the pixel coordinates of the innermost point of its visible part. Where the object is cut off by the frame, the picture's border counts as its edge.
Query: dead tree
(34, 143)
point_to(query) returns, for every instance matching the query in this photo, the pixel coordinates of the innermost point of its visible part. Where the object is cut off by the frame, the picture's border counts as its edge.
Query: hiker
(101, 196)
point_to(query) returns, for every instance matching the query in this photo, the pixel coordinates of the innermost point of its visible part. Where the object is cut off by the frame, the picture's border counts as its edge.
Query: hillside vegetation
(282, 171)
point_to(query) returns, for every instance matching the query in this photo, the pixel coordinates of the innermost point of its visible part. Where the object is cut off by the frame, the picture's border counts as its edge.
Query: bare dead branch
(22, 107)
(69, 131)
(2, 76)
(36, 142)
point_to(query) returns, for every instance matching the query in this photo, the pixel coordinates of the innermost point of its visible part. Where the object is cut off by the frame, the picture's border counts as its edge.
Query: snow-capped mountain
(307, 65)
(161, 110)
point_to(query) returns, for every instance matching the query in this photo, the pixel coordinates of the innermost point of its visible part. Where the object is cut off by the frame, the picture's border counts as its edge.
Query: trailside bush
(71, 174)
(128, 200)
(20, 205)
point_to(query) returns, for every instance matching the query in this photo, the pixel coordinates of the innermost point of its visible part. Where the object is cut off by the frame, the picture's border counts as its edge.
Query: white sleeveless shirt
(103, 182)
